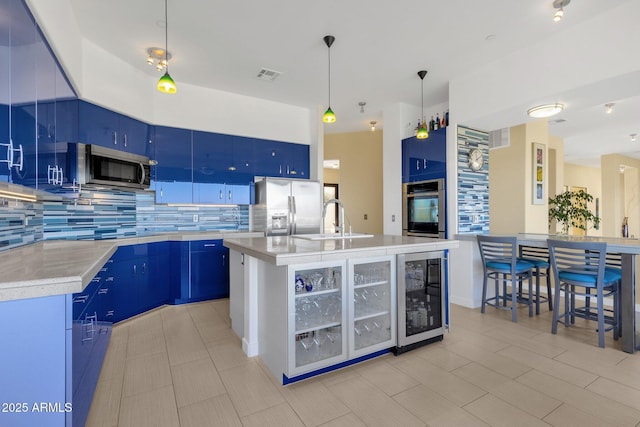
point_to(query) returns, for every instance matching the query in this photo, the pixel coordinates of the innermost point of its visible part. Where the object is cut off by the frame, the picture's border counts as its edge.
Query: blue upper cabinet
(281, 159)
(173, 174)
(424, 159)
(107, 128)
(5, 84)
(241, 168)
(212, 156)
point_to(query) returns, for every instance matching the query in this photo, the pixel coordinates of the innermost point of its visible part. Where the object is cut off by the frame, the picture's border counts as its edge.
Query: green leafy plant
(570, 209)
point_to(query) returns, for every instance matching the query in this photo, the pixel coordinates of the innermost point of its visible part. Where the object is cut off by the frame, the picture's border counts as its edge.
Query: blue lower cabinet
(200, 271)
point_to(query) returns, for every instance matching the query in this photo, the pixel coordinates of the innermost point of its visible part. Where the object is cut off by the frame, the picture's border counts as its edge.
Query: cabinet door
(269, 156)
(4, 132)
(212, 157)
(209, 270)
(23, 135)
(372, 293)
(298, 165)
(97, 125)
(317, 316)
(133, 135)
(242, 161)
(125, 289)
(238, 194)
(173, 152)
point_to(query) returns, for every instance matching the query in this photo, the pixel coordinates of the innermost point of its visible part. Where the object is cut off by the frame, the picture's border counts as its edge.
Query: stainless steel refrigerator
(287, 206)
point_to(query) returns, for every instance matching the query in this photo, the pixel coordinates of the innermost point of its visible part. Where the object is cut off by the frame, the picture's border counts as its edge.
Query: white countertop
(287, 250)
(56, 267)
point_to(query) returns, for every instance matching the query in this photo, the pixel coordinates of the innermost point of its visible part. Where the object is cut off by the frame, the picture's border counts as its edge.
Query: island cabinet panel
(336, 313)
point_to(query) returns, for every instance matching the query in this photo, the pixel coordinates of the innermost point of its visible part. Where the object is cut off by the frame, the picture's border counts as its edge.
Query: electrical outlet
(366, 217)
(195, 218)
(476, 219)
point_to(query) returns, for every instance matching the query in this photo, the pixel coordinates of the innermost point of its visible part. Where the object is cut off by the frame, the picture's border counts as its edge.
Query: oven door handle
(423, 194)
(143, 174)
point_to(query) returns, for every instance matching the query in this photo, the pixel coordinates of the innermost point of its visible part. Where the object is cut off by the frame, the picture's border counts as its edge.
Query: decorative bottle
(625, 227)
(436, 123)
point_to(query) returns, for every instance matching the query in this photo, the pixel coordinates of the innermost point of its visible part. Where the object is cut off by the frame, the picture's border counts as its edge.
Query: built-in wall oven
(423, 209)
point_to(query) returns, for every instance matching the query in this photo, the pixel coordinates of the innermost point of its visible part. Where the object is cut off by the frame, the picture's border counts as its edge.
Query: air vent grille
(499, 138)
(268, 75)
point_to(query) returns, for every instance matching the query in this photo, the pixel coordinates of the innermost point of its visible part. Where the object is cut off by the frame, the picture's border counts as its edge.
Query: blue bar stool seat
(539, 257)
(500, 263)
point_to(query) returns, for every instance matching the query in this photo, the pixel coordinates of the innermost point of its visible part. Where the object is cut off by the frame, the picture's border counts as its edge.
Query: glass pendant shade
(329, 116)
(422, 132)
(166, 84)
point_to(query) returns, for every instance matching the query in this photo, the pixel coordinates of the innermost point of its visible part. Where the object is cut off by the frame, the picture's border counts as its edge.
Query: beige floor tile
(335, 377)
(141, 325)
(498, 413)
(250, 389)
(386, 377)
(552, 367)
(277, 416)
(616, 391)
(227, 354)
(313, 402)
(214, 412)
(156, 408)
(145, 373)
(213, 331)
(203, 312)
(442, 357)
(490, 342)
(434, 409)
(516, 394)
(452, 387)
(568, 416)
(221, 306)
(611, 411)
(494, 361)
(195, 381)
(114, 360)
(106, 403)
(184, 344)
(372, 405)
(349, 420)
(147, 343)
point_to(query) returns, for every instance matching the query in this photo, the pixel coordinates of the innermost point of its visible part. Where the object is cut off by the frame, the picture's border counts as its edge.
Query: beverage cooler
(421, 299)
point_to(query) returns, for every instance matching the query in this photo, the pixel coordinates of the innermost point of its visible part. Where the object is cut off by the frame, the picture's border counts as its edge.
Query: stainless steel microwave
(93, 164)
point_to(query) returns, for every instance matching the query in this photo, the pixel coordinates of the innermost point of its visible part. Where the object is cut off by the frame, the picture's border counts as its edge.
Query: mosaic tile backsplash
(95, 215)
(473, 187)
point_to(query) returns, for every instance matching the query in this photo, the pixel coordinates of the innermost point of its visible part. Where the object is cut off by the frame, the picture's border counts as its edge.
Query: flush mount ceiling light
(158, 54)
(608, 108)
(546, 110)
(373, 125)
(559, 5)
(329, 116)
(633, 137)
(422, 126)
(166, 83)
(362, 104)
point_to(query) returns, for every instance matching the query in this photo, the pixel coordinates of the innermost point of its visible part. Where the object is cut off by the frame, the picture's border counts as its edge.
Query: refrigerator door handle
(292, 209)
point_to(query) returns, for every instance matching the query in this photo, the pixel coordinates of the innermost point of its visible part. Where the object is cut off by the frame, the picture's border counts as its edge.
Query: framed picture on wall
(538, 166)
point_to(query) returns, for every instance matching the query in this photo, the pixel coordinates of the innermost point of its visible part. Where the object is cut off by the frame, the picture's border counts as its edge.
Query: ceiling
(379, 47)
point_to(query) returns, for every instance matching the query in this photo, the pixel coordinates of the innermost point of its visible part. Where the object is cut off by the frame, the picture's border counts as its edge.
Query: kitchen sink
(331, 236)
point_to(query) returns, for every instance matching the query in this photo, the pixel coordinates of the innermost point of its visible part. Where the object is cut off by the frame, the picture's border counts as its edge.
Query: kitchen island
(309, 306)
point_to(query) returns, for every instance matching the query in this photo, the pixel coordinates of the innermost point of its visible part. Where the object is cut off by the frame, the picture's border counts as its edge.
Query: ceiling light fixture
(166, 83)
(423, 133)
(633, 137)
(546, 110)
(329, 116)
(362, 104)
(559, 5)
(373, 125)
(158, 54)
(608, 108)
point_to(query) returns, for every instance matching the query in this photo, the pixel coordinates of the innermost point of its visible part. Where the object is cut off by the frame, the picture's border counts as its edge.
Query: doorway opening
(331, 220)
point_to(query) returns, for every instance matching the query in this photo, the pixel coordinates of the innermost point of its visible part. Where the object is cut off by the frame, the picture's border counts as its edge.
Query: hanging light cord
(329, 53)
(166, 36)
(422, 98)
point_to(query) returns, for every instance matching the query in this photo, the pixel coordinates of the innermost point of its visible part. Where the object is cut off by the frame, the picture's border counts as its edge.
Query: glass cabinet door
(318, 315)
(372, 295)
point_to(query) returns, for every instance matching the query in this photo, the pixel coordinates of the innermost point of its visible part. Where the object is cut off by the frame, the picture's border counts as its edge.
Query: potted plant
(570, 209)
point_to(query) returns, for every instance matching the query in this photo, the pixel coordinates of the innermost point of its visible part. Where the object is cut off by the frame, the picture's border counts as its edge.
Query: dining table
(628, 248)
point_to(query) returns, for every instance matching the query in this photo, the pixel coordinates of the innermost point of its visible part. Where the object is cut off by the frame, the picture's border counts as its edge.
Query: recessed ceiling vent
(267, 74)
(559, 121)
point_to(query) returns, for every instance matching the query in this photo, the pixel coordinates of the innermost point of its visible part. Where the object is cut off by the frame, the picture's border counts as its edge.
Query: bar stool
(499, 262)
(539, 257)
(578, 268)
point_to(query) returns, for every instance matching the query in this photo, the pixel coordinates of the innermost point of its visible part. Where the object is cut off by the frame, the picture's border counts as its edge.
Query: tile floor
(183, 366)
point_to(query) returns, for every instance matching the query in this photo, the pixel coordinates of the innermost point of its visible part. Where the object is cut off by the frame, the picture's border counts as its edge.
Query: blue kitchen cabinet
(172, 177)
(298, 165)
(242, 164)
(212, 157)
(23, 135)
(100, 126)
(4, 140)
(221, 193)
(281, 159)
(201, 271)
(424, 159)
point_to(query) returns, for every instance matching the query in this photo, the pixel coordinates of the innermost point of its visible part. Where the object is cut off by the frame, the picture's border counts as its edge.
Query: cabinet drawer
(205, 245)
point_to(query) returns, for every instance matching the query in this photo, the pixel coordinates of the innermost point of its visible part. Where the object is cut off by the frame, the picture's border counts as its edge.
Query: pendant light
(422, 126)
(166, 83)
(329, 116)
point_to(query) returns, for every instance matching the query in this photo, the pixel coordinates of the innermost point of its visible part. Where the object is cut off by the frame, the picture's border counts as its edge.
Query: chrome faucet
(324, 213)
